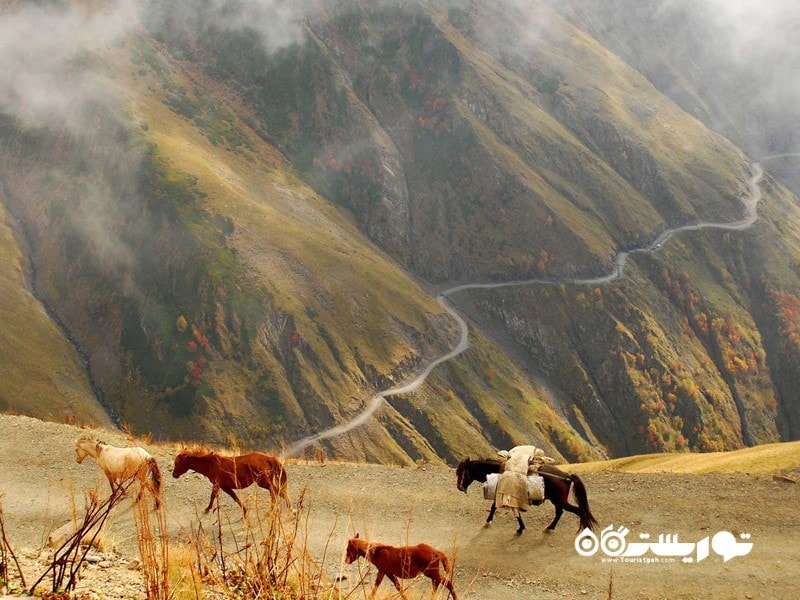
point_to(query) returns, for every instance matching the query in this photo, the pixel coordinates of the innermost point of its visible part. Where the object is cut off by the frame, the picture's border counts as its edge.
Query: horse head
(80, 447)
(181, 464)
(355, 547)
(463, 475)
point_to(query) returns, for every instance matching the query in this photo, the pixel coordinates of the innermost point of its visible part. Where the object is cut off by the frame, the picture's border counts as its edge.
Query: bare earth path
(395, 505)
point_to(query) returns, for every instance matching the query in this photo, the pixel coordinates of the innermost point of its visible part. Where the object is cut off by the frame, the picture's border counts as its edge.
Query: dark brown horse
(228, 473)
(557, 484)
(403, 562)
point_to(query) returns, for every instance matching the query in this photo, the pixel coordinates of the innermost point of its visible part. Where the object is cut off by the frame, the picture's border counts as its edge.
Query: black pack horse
(557, 485)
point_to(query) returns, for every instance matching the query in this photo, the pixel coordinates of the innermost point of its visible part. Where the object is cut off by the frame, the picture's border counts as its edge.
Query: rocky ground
(40, 484)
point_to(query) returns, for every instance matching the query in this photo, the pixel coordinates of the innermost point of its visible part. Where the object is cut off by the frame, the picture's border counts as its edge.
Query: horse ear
(358, 535)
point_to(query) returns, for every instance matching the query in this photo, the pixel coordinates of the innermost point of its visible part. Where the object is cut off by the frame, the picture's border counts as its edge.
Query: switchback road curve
(617, 272)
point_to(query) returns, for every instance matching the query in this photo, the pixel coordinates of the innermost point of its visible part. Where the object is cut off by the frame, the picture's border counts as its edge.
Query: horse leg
(449, 584)
(396, 582)
(438, 580)
(491, 513)
(575, 511)
(275, 489)
(559, 512)
(115, 489)
(214, 492)
(233, 495)
(378, 581)
(285, 495)
(521, 524)
(110, 478)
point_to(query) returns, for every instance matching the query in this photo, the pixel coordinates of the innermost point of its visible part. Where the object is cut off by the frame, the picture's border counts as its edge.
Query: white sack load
(535, 488)
(490, 487)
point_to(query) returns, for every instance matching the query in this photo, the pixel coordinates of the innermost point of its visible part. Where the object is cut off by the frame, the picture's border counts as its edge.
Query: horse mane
(362, 545)
(195, 451)
(373, 548)
(472, 461)
(85, 437)
(199, 451)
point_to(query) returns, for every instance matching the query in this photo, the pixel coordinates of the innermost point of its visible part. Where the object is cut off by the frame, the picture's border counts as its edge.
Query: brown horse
(228, 473)
(557, 485)
(403, 562)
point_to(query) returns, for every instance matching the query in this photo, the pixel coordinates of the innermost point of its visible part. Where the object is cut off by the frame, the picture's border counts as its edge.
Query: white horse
(122, 464)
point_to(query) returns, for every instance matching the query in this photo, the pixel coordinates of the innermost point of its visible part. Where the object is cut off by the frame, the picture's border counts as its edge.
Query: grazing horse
(228, 473)
(402, 562)
(557, 484)
(122, 464)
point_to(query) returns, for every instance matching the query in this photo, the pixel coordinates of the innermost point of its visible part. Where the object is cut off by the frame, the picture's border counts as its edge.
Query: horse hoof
(519, 531)
(548, 530)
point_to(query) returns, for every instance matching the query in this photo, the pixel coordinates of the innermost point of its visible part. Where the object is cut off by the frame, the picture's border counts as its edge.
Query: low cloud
(41, 50)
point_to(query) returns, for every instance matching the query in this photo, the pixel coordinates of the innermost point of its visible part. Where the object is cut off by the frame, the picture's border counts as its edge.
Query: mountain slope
(43, 376)
(235, 221)
(234, 299)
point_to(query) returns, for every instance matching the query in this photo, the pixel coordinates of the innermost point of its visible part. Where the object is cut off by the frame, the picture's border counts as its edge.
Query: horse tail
(273, 477)
(283, 484)
(155, 474)
(585, 515)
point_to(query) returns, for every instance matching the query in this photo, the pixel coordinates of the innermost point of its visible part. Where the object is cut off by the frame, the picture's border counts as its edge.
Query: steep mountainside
(731, 64)
(43, 375)
(238, 218)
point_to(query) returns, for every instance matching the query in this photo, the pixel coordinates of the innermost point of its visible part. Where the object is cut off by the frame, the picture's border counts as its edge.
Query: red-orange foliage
(544, 258)
(194, 373)
(788, 308)
(702, 322)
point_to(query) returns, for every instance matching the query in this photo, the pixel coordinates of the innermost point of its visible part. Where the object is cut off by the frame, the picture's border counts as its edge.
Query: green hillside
(43, 376)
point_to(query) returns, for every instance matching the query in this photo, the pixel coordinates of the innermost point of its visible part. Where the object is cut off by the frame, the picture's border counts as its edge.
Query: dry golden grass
(185, 582)
(768, 458)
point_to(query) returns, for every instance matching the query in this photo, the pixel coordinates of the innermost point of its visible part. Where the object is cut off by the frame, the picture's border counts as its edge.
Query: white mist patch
(40, 51)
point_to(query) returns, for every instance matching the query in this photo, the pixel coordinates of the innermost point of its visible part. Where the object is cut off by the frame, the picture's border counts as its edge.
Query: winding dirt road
(617, 272)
